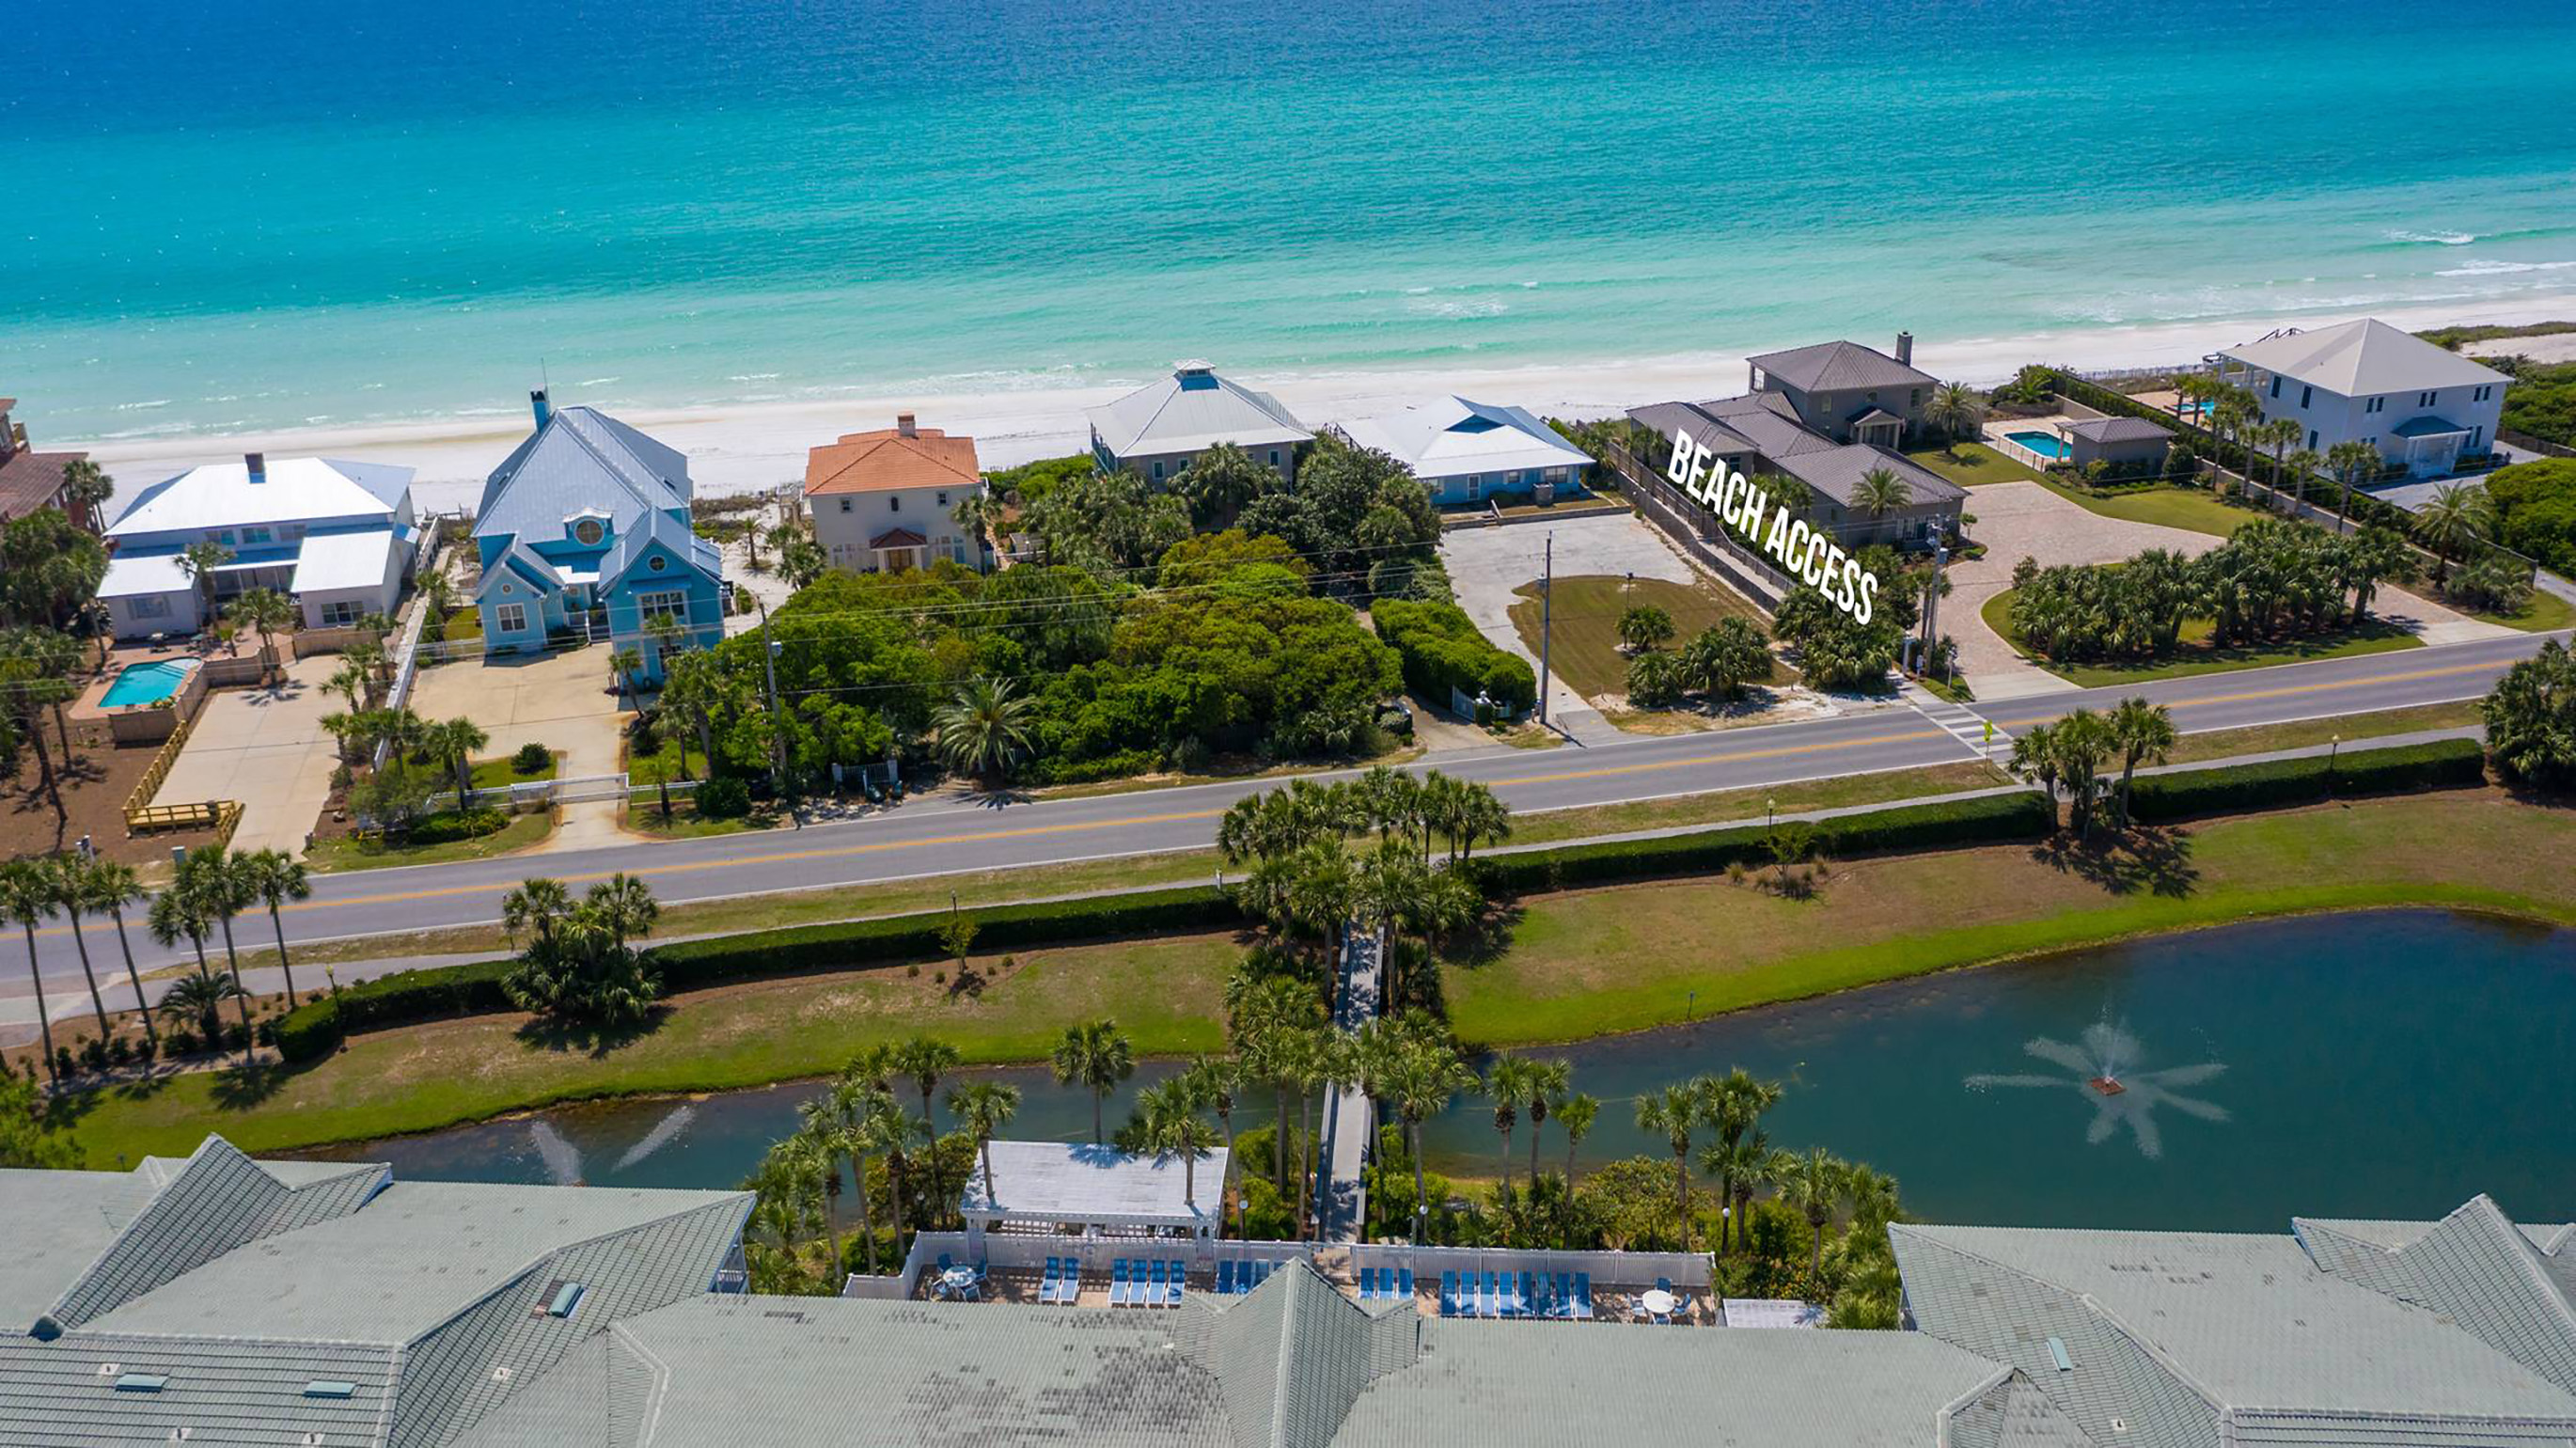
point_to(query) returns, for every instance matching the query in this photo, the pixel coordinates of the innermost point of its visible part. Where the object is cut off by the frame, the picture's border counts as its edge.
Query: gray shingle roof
(1834, 366)
(2476, 1269)
(1769, 421)
(1667, 418)
(59, 1222)
(2358, 359)
(219, 1390)
(1836, 473)
(1191, 409)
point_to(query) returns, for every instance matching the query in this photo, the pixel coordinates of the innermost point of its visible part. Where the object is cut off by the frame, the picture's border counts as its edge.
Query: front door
(899, 560)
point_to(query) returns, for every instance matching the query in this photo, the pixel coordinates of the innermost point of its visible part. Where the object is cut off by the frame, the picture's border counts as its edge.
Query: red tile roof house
(886, 500)
(30, 480)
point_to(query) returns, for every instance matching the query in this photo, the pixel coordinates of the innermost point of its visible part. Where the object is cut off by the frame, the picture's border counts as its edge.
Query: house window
(2306, 395)
(252, 537)
(1274, 457)
(894, 502)
(2425, 399)
(1914, 398)
(2312, 439)
(150, 605)
(340, 613)
(2478, 438)
(845, 505)
(588, 532)
(657, 563)
(511, 617)
(2276, 384)
(1158, 467)
(670, 603)
(2483, 393)
(943, 500)
(2374, 404)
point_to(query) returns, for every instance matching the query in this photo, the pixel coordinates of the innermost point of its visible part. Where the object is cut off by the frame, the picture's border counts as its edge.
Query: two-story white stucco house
(886, 500)
(2422, 407)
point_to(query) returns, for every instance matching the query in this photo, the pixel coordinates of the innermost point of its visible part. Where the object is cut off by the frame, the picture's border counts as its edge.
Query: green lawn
(2198, 656)
(2379, 723)
(500, 774)
(465, 623)
(1579, 964)
(2546, 613)
(435, 841)
(1973, 464)
(1585, 649)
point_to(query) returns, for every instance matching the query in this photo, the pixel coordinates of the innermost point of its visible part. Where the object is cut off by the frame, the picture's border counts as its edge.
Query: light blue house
(584, 530)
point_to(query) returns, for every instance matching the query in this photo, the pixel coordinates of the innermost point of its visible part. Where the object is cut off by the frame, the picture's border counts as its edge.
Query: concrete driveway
(1487, 564)
(563, 701)
(267, 749)
(2024, 520)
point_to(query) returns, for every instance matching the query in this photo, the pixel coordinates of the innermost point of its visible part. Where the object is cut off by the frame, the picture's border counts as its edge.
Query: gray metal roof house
(2460, 1332)
(1159, 428)
(224, 1300)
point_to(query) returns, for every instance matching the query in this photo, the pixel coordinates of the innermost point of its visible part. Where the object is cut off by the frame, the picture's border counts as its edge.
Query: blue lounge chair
(1583, 1296)
(1529, 1298)
(1154, 1272)
(1225, 1277)
(1368, 1284)
(1489, 1302)
(1118, 1295)
(1404, 1283)
(1180, 1280)
(1448, 1294)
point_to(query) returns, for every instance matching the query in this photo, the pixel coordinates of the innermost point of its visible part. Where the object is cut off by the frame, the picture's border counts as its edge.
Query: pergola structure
(1060, 1188)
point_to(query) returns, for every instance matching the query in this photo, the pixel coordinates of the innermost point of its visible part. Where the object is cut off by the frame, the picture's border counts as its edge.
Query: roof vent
(567, 1297)
(257, 463)
(141, 1382)
(330, 1388)
(2057, 1355)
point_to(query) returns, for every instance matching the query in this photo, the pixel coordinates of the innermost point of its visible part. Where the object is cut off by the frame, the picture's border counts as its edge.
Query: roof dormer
(589, 527)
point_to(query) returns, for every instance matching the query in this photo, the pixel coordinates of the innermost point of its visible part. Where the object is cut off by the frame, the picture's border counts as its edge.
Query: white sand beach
(747, 448)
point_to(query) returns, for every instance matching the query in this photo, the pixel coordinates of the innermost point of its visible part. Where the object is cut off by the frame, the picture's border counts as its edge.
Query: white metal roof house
(337, 537)
(1046, 1186)
(1466, 452)
(2424, 408)
(1159, 428)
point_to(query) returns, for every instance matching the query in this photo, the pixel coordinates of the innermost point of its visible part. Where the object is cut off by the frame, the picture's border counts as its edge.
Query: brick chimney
(905, 426)
(257, 463)
(1905, 348)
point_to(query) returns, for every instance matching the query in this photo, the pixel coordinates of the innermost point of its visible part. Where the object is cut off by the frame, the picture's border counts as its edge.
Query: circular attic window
(588, 531)
(657, 562)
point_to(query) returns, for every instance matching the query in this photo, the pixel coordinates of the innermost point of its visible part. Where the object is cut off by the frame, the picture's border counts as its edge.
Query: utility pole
(1546, 619)
(769, 671)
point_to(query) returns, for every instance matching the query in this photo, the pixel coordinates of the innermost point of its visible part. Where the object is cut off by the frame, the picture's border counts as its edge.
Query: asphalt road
(943, 836)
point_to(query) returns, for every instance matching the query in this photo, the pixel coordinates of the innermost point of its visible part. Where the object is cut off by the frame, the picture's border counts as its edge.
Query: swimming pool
(2046, 444)
(147, 683)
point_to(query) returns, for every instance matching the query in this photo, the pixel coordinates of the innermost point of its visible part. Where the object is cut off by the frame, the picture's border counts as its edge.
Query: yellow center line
(2290, 690)
(1032, 831)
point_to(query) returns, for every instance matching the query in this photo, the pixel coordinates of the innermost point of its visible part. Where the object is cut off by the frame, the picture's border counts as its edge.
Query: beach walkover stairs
(1350, 1118)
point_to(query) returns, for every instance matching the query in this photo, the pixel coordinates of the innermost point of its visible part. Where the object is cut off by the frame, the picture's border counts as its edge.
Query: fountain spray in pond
(2104, 1068)
(659, 1137)
(562, 1158)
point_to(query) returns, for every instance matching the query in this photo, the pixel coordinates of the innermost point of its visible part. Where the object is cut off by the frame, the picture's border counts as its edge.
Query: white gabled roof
(1192, 409)
(355, 558)
(2360, 359)
(1454, 436)
(296, 490)
(143, 575)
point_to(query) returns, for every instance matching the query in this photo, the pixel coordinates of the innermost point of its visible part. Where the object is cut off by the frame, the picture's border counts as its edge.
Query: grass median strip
(1577, 964)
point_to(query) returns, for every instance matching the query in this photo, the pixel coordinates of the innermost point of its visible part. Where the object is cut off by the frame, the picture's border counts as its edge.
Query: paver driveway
(2024, 520)
(267, 749)
(562, 701)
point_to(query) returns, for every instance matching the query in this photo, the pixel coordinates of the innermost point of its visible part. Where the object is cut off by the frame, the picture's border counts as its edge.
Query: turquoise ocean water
(249, 214)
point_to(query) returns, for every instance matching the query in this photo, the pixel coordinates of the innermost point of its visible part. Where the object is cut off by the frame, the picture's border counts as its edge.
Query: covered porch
(2429, 447)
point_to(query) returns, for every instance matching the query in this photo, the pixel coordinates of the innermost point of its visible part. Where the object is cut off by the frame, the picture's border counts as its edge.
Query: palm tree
(851, 1101)
(884, 1129)
(175, 917)
(67, 876)
(1095, 1056)
(1220, 482)
(266, 612)
(925, 1060)
(1172, 1127)
(625, 662)
(111, 887)
(2278, 435)
(2303, 465)
(277, 877)
(819, 1140)
(455, 740)
(1881, 492)
(85, 489)
(1322, 895)
(535, 905)
(2034, 758)
(201, 998)
(625, 907)
(27, 896)
(984, 1108)
(1672, 1113)
(984, 729)
(2143, 733)
(1213, 1082)
(1508, 1083)
(1574, 1116)
(351, 681)
(199, 561)
(2351, 461)
(1549, 1082)
(1953, 409)
(1736, 1103)
(1425, 1077)
(214, 878)
(1811, 1185)
(2455, 517)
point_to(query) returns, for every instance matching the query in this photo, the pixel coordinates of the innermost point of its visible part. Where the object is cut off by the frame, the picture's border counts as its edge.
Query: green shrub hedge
(2442, 764)
(1442, 649)
(313, 1029)
(1984, 820)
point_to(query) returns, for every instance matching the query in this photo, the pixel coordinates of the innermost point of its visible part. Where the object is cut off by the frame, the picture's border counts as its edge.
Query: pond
(2389, 1064)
